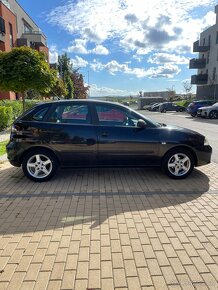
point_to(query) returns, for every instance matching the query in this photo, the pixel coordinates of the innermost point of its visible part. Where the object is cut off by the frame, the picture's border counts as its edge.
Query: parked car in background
(90, 133)
(155, 107)
(195, 105)
(169, 106)
(148, 107)
(208, 111)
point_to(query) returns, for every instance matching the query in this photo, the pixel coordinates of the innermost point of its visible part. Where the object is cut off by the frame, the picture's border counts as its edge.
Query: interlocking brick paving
(109, 229)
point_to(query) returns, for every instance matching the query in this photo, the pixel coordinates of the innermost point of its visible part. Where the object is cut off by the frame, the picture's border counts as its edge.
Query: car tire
(181, 110)
(193, 114)
(213, 114)
(164, 111)
(178, 163)
(40, 165)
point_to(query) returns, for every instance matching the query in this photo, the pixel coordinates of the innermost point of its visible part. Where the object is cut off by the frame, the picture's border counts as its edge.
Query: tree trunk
(23, 98)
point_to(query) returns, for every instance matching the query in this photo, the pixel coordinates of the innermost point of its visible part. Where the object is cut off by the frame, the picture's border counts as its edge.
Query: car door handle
(104, 134)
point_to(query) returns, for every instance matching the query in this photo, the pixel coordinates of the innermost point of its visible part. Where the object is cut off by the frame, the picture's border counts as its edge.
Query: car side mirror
(141, 123)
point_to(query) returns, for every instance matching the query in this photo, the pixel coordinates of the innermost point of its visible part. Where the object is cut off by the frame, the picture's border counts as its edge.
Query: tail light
(15, 129)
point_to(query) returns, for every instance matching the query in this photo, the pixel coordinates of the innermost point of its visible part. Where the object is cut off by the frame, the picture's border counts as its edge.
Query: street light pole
(88, 85)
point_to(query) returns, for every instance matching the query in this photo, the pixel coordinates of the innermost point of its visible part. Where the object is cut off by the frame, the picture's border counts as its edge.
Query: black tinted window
(39, 115)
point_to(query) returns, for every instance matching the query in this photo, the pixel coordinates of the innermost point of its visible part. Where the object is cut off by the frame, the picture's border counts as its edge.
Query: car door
(72, 134)
(121, 142)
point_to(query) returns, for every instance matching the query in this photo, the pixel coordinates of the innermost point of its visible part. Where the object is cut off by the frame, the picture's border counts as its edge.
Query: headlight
(206, 143)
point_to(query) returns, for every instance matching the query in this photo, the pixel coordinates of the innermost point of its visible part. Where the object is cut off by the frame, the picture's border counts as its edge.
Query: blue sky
(125, 46)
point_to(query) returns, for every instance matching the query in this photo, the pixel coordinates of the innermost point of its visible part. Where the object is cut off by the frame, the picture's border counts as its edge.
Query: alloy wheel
(39, 166)
(179, 164)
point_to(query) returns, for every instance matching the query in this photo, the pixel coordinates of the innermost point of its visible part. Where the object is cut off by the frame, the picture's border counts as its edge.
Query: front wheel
(213, 115)
(39, 165)
(178, 163)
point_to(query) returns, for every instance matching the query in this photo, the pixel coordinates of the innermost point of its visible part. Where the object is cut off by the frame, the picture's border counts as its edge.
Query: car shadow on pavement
(91, 197)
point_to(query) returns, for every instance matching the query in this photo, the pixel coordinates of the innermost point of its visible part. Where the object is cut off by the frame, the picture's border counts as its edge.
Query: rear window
(39, 115)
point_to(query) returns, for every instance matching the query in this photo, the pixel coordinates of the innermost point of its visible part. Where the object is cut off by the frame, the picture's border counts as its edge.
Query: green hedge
(10, 110)
(6, 117)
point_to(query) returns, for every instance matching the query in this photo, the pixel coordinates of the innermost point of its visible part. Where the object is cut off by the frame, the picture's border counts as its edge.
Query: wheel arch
(184, 148)
(38, 148)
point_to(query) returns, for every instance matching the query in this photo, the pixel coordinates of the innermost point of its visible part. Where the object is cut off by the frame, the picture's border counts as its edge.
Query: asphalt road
(207, 127)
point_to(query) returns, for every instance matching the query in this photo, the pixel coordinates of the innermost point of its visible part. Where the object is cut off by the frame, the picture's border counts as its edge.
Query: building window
(208, 57)
(203, 41)
(214, 74)
(2, 25)
(11, 35)
(217, 37)
(27, 28)
(209, 39)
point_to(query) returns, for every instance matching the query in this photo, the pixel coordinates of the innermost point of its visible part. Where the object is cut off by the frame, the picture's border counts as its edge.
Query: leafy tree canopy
(24, 68)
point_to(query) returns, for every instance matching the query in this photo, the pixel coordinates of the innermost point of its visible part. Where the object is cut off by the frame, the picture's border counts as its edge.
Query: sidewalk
(4, 135)
(109, 229)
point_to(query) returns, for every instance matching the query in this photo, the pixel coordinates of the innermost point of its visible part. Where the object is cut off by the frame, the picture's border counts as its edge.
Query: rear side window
(71, 113)
(39, 115)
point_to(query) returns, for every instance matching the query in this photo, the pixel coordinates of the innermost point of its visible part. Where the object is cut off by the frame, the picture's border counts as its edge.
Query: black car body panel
(90, 142)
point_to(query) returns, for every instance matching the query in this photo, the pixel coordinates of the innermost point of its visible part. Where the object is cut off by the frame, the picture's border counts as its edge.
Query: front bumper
(203, 155)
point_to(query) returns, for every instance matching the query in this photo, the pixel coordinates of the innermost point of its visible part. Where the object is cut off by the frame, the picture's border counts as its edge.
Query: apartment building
(18, 29)
(206, 78)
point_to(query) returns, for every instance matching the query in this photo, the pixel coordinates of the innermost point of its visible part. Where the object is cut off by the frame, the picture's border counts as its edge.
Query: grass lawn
(3, 147)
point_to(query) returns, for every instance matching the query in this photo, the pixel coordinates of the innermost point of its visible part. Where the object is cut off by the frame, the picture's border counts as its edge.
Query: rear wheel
(39, 165)
(193, 114)
(213, 114)
(178, 163)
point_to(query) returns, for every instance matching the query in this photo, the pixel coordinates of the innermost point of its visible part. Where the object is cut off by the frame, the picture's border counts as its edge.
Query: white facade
(207, 63)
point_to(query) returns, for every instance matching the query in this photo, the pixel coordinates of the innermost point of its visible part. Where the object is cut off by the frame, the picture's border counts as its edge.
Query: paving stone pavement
(109, 229)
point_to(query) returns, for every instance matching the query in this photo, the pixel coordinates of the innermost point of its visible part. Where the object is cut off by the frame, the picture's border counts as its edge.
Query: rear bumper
(203, 155)
(14, 154)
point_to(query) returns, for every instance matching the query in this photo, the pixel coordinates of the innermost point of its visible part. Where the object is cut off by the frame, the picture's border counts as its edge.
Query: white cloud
(113, 67)
(106, 91)
(53, 54)
(79, 46)
(100, 49)
(79, 62)
(142, 28)
(161, 58)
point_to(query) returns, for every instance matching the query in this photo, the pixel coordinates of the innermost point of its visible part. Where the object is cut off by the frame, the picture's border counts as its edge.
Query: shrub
(6, 117)
(183, 103)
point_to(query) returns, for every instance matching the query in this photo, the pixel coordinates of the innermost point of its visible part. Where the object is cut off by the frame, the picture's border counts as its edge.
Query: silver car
(208, 112)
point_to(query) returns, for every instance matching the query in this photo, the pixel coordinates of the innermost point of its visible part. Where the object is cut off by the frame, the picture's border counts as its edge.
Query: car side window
(39, 115)
(113, 116)
(72, 114)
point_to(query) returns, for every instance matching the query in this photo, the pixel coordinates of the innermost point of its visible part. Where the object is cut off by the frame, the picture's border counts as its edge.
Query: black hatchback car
(169, 106)
(89, 133)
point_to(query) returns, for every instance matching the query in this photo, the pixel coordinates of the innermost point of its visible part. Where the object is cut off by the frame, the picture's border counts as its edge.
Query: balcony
(197, 63)
(36, 37)
(200, 79)
(200, 48)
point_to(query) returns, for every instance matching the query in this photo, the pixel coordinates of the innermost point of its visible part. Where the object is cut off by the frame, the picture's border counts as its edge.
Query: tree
(171, 94)
(80, 90)
(58, 89)
(65, 69)
(187, 87)
(23, 69)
